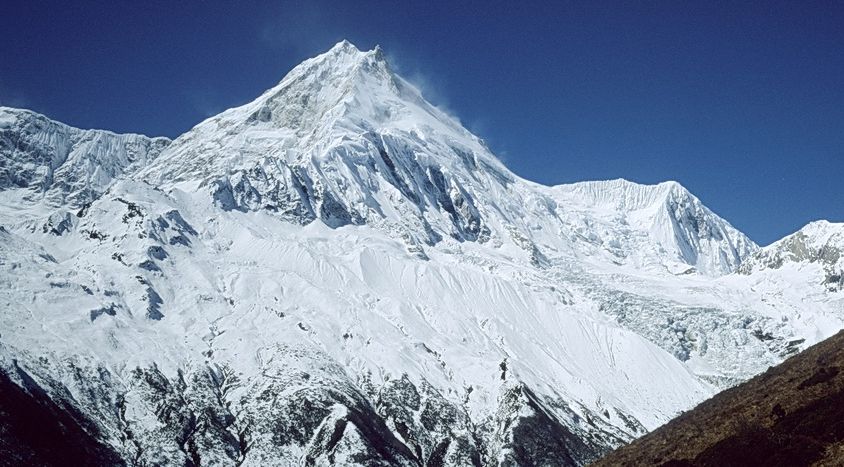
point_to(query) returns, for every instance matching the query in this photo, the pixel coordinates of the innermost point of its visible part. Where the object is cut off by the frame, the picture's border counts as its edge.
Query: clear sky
(742, 103)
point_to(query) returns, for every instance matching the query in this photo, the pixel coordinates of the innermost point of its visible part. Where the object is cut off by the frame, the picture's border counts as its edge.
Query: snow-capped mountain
(64, 165)
(816, 250)
(340, 273)
(667, 216)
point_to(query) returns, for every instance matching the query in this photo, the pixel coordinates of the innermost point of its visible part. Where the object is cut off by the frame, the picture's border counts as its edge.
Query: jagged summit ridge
(624, 194)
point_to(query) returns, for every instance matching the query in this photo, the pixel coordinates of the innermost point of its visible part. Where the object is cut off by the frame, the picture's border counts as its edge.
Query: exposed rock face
(318, 417)
(39, 428)
(819, 242)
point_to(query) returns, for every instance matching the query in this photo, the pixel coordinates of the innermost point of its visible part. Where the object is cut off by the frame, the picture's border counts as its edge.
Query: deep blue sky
(741, 103)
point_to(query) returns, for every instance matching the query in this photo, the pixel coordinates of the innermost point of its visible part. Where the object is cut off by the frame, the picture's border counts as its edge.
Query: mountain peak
(820, 242)
(340, 75)
(814, 235)
(341, 93)
(344, 46)
(671, 215)
(344, 139)
(822, 227)
(343, 57)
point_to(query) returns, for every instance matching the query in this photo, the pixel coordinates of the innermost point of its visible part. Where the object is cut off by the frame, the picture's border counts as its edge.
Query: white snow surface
(341, 212)
(61, 165)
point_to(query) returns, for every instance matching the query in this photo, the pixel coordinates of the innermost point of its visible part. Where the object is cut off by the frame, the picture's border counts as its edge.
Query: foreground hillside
(793, 414)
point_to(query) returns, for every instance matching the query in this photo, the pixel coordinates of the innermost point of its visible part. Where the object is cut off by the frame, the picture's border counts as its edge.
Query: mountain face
(344, 140)
(63, 165)
(683, 230)
(790, 415)
(817, 249)
(339, 273)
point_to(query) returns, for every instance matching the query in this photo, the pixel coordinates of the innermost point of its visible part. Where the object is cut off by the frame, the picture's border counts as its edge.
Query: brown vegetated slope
(791, 415)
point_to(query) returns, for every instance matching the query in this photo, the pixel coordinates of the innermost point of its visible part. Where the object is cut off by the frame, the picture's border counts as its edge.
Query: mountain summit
(343, 139)
(339, 273)
(685, 229)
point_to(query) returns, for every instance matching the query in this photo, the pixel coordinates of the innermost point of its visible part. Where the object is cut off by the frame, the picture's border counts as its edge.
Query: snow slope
(340, 273)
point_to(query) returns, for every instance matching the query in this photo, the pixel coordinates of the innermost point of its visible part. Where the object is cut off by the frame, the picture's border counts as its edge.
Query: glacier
(339, 273)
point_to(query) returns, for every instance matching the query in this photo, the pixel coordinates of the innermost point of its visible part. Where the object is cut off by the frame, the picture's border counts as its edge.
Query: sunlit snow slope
(339, 273)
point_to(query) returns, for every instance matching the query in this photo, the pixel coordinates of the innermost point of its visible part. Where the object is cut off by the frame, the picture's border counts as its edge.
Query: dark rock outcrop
(38, 430)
